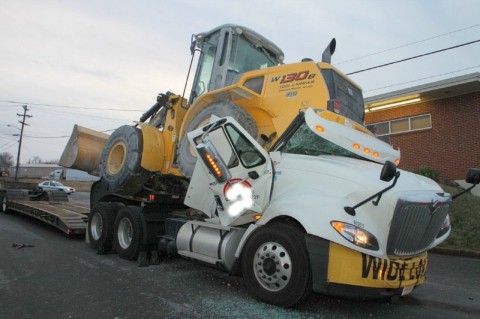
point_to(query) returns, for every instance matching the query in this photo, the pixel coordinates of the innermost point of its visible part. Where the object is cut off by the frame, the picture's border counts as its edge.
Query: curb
(456, 252)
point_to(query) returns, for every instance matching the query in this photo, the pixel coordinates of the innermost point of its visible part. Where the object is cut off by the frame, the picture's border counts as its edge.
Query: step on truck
(326, 210)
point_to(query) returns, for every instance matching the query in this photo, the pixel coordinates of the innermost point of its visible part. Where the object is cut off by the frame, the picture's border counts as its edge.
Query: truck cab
(328, 196)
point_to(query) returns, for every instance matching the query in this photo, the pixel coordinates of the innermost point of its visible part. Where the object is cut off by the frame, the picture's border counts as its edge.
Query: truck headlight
(445, 227)
(356, 235)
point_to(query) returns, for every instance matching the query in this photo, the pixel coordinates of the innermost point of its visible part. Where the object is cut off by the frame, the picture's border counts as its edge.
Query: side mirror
(214, 163)
(389, 171)
(473, 176)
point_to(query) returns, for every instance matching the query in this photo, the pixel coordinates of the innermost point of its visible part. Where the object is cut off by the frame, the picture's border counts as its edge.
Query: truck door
(238, 170)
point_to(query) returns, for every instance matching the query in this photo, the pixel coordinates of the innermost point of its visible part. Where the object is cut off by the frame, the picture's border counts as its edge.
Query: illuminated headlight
(445, 227)
(356, 235)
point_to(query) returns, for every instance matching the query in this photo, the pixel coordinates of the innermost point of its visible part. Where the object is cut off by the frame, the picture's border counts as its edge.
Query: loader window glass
(246, 57)
(247, 152)
(305, 142)
(206, 68)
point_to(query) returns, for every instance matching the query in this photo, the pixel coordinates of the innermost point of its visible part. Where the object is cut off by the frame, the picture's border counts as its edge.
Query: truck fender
(244, 239)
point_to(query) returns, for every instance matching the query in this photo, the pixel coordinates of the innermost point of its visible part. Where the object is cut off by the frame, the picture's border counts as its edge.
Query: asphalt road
(61, 277)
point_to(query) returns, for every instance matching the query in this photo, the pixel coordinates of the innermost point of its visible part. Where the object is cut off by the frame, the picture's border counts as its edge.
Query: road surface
(61, 277)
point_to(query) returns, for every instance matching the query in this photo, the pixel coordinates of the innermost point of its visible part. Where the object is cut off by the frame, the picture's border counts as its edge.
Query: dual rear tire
(121, 228)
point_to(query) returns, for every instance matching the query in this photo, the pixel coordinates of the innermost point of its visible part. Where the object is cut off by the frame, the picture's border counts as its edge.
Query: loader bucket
(83, 150)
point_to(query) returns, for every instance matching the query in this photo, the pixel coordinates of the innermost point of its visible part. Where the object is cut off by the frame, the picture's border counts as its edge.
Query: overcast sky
(120, 54)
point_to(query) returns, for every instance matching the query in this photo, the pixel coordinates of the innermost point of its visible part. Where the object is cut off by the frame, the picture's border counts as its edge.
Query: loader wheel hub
(116, 158)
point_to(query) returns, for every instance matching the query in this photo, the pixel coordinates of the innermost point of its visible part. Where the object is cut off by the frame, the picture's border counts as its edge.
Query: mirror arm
(464, 191)
(351, 210)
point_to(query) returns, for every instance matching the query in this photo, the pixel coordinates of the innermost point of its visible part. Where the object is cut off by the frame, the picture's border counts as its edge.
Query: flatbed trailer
(51, 207)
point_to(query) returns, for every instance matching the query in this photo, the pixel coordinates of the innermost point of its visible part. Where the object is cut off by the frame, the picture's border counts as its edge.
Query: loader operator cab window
(217, 69)
(206, 64)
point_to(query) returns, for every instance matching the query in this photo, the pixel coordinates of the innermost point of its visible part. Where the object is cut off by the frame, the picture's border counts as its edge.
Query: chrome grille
(416, 222)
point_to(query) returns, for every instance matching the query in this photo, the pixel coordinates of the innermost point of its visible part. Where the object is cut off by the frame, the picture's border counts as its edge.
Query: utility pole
(24, 115)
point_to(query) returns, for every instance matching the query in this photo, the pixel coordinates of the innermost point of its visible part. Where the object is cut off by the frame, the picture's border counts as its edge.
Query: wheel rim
(272, 266)
(116, 157)
(96, 226)
(125, 231)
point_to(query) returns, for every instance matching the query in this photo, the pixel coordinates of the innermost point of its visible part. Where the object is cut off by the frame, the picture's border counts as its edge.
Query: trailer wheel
(186, 156)
(275, 265)
(120, 161)
(100, 227)
(129, 233)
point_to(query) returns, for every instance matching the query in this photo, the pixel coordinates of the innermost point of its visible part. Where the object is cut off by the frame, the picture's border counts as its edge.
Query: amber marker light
(375, 154)
(397, 161)
(366, 150)
(319, 129)
(356, 146)
(257, 216)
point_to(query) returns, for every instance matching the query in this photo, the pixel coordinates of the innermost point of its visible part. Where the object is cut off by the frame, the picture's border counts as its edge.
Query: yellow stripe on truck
(346, 266)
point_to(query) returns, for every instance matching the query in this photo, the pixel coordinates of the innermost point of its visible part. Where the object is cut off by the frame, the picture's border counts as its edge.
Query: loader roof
(255, 38)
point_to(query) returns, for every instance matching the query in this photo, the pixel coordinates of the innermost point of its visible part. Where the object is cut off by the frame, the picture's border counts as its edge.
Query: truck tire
(100, 227)
(120, 161)
(222, 108)
(275, 265)
(129, 231)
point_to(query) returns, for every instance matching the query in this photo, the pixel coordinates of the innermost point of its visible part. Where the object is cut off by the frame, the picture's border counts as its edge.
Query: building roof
(459, 85)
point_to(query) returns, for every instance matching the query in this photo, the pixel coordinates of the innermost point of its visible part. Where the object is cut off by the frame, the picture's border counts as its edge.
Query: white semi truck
(326, 210)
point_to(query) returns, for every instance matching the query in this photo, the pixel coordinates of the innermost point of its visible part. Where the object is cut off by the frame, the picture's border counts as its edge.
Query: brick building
(435, 125)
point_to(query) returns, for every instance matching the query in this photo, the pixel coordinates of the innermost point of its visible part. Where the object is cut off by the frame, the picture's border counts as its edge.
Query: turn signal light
(366, 150)
(319, 129)
(356, 146)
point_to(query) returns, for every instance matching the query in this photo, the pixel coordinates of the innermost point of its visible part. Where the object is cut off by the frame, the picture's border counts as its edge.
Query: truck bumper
(340, 271)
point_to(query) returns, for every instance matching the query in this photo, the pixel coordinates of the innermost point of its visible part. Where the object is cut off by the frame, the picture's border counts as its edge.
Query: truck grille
(416, 222)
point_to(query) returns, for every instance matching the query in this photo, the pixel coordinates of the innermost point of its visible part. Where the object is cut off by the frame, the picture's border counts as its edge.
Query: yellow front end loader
(240, 74)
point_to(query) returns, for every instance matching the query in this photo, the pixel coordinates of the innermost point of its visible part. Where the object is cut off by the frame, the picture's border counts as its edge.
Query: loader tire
(129, 233)
(120, 161)
(100, 227)
(186, 156)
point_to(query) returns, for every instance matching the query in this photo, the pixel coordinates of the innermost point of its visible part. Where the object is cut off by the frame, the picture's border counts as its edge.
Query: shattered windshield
(305, 142)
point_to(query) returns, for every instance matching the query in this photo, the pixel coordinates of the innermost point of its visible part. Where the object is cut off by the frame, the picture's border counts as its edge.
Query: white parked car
(52, 185)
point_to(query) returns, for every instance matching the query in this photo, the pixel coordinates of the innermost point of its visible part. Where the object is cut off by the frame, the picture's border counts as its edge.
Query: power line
(63, 136)
(407, 44)
(425, 78)
(414, 57)
(71, 107)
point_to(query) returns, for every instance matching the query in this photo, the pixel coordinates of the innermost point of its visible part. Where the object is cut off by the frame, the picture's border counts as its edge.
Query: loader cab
(227, 52)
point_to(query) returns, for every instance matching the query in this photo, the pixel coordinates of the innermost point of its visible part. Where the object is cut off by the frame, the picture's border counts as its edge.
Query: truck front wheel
(275, 265)
(100, 227)
(129, 233)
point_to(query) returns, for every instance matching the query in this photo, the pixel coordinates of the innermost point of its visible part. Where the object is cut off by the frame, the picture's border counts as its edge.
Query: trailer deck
(51, 207)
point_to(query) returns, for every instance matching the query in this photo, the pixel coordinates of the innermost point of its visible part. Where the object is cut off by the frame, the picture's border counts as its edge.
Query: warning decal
(350, 267)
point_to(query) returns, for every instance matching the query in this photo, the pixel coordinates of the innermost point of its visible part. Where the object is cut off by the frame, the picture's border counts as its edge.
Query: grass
(465, 219)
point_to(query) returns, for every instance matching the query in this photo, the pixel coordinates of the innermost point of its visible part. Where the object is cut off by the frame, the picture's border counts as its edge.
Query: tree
(37, 160)
(6, 159)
